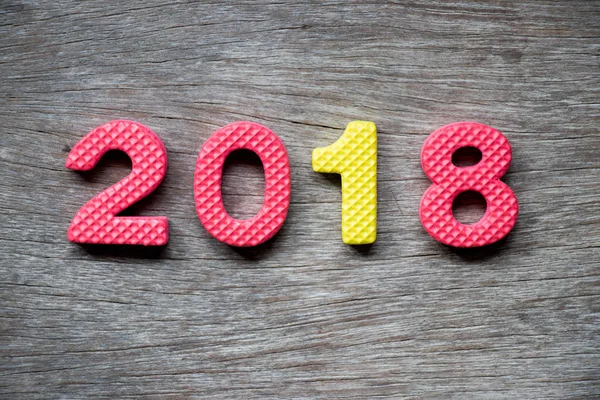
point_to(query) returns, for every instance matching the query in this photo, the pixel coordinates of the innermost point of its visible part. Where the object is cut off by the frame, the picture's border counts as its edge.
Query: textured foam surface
(449, 181)
(354, 157)
(96, 221)
(207, 184)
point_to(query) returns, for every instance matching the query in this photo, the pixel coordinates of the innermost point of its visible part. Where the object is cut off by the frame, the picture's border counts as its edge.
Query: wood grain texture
(303, 316)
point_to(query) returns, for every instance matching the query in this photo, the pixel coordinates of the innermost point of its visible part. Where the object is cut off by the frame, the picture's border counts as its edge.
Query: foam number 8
(449, 181)
(354, 157)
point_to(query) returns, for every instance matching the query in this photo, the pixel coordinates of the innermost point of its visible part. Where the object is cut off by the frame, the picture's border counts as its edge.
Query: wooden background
(303, 316)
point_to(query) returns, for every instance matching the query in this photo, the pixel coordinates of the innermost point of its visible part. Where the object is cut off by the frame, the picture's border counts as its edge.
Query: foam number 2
(207, 184)
(483, 177)
(96, 222)
(354, 157)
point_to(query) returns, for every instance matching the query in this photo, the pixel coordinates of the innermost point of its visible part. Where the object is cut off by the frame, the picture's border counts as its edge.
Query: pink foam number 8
(96, 222)
(450, 180)
(207, 184)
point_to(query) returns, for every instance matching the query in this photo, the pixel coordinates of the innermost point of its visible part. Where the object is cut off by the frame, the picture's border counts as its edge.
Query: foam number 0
(207, 184)
(96, 222)
(483, 177)
(354, 157)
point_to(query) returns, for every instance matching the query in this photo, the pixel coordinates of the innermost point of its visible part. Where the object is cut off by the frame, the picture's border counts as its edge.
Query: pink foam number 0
(483, 177)
(207, 184)
(96, 222)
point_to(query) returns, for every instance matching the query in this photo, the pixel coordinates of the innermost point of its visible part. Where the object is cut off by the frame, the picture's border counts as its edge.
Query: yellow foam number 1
(354, 157)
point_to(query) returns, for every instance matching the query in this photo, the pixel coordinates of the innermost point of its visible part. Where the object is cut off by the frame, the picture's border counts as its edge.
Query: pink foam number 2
(207, 184)
(96, 222)
(483, 177)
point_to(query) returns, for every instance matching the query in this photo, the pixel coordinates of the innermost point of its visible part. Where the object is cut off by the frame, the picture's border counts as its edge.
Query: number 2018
(353, 156)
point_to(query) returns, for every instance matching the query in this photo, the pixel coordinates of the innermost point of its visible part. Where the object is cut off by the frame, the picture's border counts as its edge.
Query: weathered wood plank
(302, 316)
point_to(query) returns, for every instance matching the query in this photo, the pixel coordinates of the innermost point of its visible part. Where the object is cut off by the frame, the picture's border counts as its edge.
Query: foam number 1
(354, 157)
(483, 177)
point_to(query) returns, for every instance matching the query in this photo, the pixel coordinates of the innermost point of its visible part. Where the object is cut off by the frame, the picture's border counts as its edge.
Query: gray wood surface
(303, 316)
